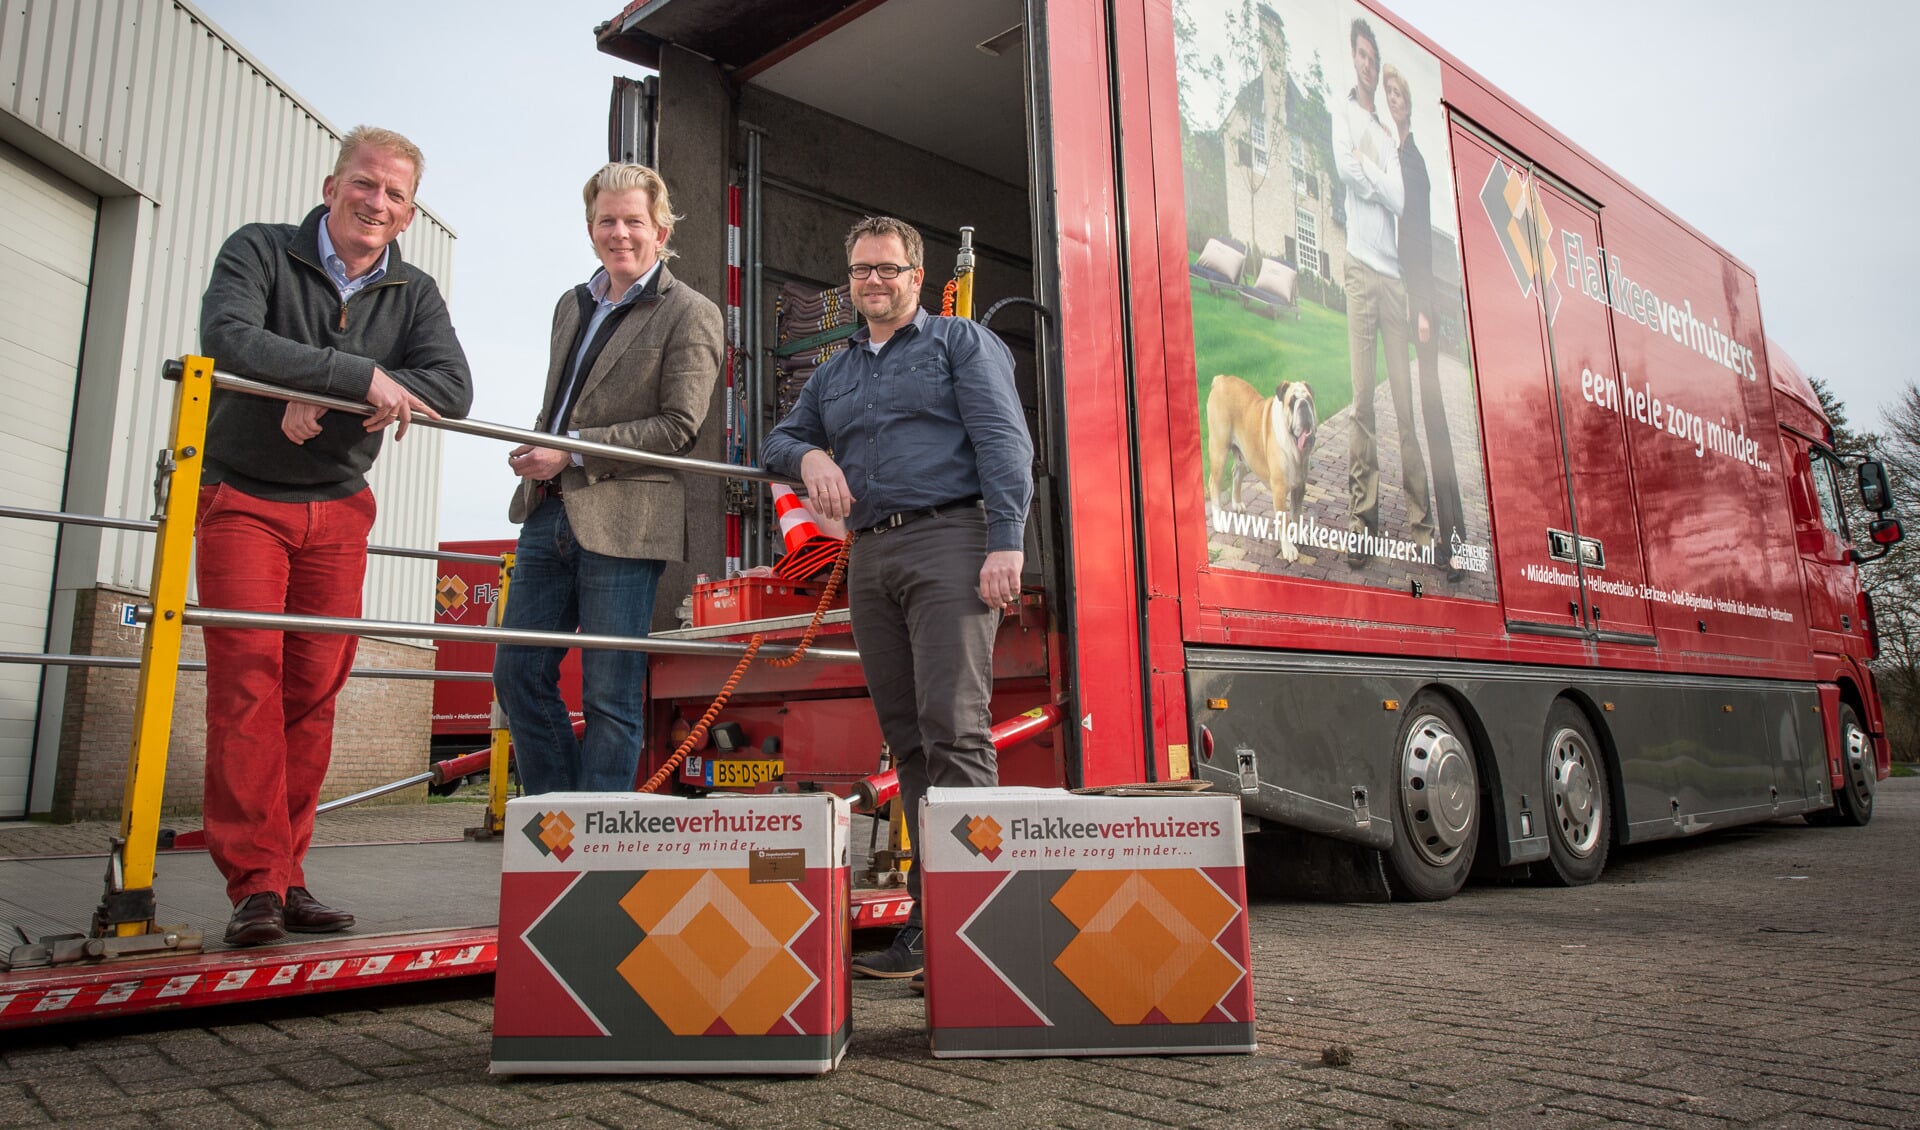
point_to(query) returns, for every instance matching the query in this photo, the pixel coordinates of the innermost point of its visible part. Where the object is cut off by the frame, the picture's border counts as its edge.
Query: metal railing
(503, 432)
(127, 910)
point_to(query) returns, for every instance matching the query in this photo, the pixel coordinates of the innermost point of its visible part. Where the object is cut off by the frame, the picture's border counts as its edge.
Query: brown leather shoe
(308, 915)
(257, 920)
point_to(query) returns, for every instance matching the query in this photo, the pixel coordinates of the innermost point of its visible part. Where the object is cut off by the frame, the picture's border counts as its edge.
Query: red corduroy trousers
(270, 695)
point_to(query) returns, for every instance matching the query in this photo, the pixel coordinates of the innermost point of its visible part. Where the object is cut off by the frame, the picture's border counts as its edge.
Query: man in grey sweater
(329, 307)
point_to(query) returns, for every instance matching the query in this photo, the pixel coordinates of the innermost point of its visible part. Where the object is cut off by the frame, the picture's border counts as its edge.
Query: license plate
(743, 774)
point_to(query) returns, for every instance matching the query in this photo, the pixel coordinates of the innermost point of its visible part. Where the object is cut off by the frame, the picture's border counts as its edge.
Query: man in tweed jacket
(634, 359)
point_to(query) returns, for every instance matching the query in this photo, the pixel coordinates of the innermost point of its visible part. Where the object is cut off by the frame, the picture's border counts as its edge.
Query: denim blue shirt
(337, 267)
(931, 419)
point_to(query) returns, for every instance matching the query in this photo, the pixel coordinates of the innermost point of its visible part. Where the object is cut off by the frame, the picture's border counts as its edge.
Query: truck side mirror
(1885, 533)
(1876, 494)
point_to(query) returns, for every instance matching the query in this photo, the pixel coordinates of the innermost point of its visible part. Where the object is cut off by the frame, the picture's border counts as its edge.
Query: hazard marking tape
(117, 992)
(184, 981)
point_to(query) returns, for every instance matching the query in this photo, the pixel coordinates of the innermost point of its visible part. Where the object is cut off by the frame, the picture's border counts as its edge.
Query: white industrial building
(134, 136)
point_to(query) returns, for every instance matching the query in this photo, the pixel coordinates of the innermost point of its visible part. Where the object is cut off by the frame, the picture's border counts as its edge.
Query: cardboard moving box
(651, 934)
(1060, 924)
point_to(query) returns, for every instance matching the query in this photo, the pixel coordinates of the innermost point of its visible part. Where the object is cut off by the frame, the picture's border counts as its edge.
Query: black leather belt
(895, 521)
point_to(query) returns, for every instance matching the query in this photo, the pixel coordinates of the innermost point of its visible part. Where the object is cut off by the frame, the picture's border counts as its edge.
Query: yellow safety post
(128, 907)
(497, 767)
(963, 276)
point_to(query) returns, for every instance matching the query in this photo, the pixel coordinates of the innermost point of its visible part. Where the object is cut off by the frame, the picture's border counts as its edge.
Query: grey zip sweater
(271, 313)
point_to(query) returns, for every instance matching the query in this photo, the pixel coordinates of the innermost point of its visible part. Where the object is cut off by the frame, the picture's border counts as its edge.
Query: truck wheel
(1853, 800)
(1436, 814)
(1577, 831)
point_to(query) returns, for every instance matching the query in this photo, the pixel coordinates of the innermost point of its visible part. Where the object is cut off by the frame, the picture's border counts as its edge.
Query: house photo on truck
(1399, 467)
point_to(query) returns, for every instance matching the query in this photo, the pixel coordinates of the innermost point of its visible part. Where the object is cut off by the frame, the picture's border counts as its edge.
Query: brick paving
(1758, 977)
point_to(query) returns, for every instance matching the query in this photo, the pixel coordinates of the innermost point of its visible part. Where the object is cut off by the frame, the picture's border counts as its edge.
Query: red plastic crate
(755, 598)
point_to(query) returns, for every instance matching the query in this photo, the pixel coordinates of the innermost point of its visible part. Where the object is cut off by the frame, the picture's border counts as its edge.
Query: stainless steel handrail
(400, 629)
(132, 663)
(141, 525)
(501, 431)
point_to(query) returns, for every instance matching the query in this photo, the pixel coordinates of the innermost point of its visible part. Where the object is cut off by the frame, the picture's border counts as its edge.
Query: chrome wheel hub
(1575, 787)
(1438, 790)
(1859, 759)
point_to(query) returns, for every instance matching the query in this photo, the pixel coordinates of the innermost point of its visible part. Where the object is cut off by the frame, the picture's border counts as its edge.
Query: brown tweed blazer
(648, 390)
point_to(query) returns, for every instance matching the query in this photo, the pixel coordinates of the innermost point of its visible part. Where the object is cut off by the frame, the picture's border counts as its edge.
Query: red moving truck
(464, 593)
(1400, 467)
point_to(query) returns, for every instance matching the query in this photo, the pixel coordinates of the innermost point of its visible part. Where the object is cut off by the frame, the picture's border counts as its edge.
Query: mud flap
(1289, 863)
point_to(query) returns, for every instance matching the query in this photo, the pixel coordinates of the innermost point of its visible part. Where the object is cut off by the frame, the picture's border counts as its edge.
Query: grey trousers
(926, 645)
(1378, 304)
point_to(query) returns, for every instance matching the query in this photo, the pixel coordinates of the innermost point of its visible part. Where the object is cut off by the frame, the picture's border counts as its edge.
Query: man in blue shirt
(915, 436)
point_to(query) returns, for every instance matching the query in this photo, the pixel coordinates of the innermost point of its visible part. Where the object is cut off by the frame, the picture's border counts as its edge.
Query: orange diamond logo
(552, 833)
(1146, 943)
(451, 595)
(718, 956)
(981, 834)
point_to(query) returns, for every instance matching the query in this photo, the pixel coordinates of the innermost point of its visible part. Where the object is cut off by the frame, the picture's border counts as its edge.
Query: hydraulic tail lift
(427, 910)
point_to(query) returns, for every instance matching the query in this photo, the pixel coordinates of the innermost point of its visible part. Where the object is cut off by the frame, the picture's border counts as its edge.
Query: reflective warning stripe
(233, 976)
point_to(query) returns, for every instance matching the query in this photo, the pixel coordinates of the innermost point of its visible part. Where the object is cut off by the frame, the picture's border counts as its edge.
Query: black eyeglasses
(864, 271)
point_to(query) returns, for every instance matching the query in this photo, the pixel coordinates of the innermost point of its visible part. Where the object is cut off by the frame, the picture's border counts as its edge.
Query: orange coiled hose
(699, 732)
(948, 297)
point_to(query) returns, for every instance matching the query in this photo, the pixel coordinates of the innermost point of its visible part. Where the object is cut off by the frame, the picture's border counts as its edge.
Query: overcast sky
(1778, 130)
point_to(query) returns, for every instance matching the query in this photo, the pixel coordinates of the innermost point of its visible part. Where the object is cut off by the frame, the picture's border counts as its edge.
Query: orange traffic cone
(809, 549)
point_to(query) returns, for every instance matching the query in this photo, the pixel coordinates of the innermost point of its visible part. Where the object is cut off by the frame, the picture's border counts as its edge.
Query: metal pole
(400, 629)
(753, 550)
(377, 790)
(142, 525)
(502, 432)
(127, 663)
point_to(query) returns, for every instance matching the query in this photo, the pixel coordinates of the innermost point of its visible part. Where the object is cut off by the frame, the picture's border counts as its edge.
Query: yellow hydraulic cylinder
(902, 840)
(177, 493)
(963, 276)
(501, 739)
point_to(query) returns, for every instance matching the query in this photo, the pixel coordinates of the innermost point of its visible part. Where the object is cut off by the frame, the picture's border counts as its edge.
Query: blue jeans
(558, 587)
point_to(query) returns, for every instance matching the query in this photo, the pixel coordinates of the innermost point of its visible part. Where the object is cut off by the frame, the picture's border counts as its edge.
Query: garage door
(46, 255)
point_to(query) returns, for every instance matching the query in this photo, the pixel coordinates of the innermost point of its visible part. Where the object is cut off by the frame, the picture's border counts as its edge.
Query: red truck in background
(465, 593)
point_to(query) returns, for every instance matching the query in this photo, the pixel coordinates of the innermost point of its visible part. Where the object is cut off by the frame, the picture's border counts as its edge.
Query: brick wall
(381, 730)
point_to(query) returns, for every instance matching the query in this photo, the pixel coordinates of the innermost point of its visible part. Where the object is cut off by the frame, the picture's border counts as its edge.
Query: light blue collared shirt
(604, 304)
(337, 268)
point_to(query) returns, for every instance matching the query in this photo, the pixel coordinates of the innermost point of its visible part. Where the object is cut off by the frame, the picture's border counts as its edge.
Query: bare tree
(1894, 582)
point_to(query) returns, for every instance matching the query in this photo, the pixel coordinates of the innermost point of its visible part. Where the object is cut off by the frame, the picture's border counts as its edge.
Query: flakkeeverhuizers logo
(552, 833)
(1520, 223)
(981, 834)
(451, 595)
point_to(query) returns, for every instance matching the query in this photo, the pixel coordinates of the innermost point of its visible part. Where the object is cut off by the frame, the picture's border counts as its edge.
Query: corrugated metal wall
(152, 95)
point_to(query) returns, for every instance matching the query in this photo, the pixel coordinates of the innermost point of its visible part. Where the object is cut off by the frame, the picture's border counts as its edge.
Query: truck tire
(1578, 815)
(1436, 811)
(1853, 800)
